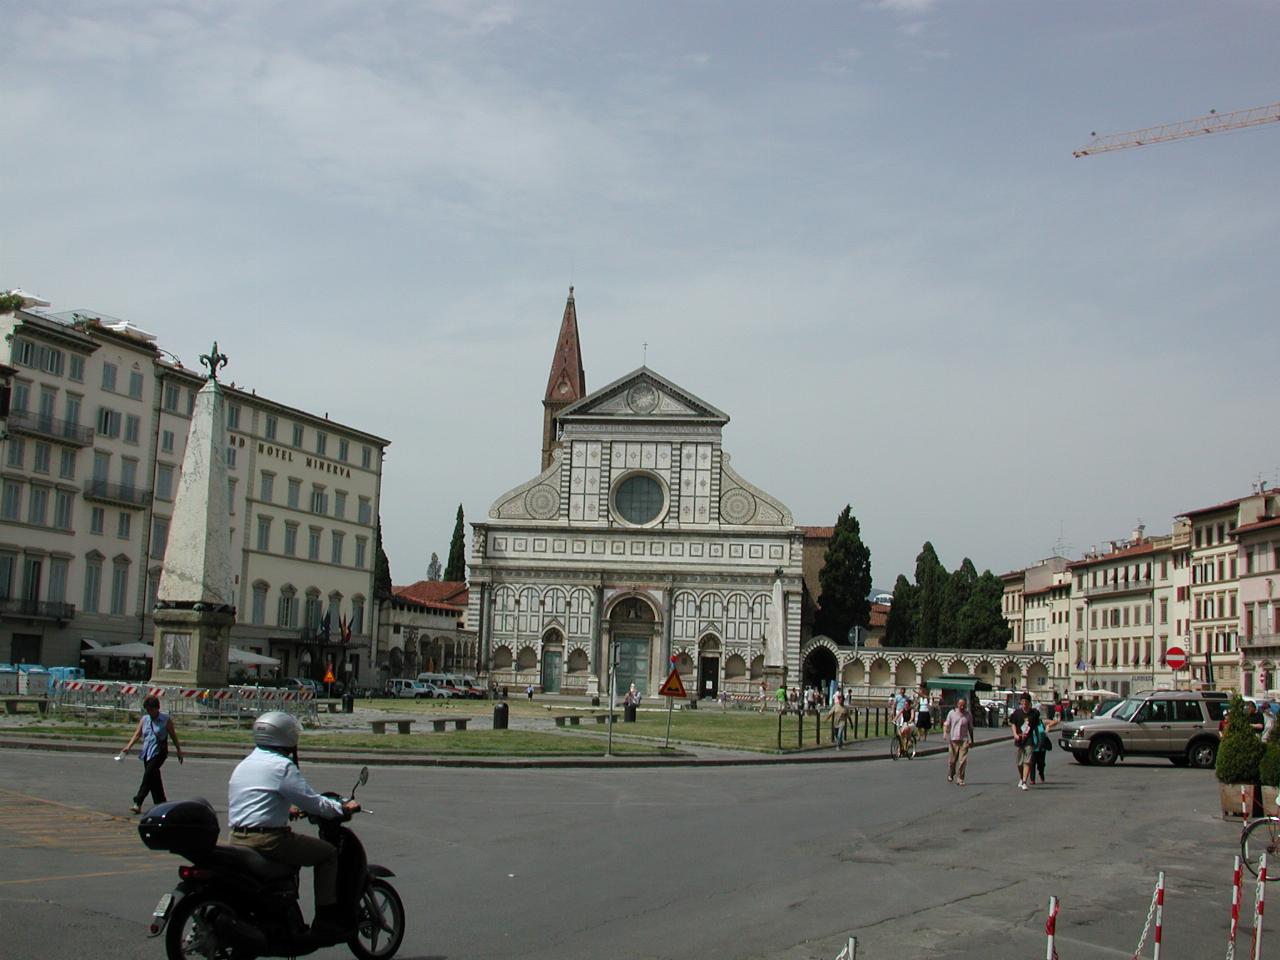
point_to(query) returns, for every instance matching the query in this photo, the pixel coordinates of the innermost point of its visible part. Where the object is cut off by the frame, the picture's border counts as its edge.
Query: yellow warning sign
(673, 687)
(328, 674)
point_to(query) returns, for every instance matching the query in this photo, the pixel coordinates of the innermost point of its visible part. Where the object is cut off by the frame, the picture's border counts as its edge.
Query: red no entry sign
(1176, 658)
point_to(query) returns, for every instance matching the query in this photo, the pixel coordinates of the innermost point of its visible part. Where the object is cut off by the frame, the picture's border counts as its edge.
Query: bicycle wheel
(895, 748)
(1262, 837)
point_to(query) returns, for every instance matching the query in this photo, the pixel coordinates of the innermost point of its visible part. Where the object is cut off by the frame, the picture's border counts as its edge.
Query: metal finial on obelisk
(214, 361)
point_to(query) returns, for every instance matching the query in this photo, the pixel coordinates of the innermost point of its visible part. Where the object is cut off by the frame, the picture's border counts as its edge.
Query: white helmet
(277, 729)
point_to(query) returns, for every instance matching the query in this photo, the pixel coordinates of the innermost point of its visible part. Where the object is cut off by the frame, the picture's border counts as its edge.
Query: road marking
(84, 876)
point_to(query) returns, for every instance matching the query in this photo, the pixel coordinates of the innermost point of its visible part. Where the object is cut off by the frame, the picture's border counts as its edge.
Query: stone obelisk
(775, 637)
(195, 602)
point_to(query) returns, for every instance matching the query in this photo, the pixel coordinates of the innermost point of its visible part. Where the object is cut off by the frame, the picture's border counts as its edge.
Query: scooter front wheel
(192, 931)
(379, 922)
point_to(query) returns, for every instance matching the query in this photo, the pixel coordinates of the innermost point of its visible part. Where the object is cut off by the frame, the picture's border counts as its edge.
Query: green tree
(931, 585)
(900, 623)
(381, 567)
(959, 588)
(845, 580)
(434, 568)
(455, 570)
(981, 623)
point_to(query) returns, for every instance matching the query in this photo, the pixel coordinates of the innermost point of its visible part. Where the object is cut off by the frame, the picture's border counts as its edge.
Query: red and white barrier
(1159, 916)
(1051, 929)
(1235, 910)
(1257, 911)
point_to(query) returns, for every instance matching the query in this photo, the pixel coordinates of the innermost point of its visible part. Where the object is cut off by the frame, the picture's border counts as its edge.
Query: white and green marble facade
(559, 576)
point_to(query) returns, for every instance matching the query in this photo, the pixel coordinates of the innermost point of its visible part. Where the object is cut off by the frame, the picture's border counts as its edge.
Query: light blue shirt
(155, 735)
(262, 787)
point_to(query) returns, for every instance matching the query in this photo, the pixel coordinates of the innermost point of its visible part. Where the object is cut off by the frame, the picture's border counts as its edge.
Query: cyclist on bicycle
(906, 723)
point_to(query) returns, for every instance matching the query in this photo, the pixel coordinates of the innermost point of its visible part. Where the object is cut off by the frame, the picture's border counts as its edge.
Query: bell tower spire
(567, 382)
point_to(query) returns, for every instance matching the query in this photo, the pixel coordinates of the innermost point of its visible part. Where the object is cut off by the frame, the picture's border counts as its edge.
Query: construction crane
(1213, 123)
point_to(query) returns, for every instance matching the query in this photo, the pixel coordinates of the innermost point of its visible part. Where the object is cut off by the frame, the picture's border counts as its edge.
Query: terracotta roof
(449, 594)
(1137, 550)
(879, 615)
(818, 533)
(1214, 509)
(1263, 524)
(568, 381)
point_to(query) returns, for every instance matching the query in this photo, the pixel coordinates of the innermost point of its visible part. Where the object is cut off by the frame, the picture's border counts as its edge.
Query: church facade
(637, 544)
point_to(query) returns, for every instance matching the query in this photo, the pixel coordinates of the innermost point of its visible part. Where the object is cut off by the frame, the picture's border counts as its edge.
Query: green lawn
(745, 730)
(475, 743)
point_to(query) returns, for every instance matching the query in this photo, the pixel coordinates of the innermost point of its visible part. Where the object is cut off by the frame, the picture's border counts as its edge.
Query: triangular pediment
(643, 395)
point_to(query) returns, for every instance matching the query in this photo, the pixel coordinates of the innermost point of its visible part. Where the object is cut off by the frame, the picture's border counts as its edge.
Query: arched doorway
(552, 656)
(820, 668)
(631, 631)
(709, 668)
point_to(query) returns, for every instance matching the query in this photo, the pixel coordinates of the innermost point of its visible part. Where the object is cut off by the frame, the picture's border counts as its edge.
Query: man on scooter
(263, 787)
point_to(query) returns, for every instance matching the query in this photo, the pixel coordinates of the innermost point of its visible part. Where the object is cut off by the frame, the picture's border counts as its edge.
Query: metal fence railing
(103, 698)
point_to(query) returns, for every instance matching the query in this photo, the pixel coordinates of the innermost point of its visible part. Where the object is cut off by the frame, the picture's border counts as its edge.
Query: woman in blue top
(154, 730)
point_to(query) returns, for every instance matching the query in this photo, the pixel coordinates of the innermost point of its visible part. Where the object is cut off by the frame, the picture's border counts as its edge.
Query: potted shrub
(1239, 756)
(1269, 772)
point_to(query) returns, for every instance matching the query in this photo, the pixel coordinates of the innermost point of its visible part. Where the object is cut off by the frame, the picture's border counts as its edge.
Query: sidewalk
(875, 748)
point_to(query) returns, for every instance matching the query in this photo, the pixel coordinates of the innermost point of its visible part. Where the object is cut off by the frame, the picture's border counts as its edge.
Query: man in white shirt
(263, 787)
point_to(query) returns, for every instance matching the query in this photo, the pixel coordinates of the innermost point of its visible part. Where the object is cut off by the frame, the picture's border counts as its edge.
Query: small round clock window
(639, 499)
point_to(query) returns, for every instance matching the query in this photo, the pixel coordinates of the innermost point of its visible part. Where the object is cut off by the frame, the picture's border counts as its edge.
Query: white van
(405, 689)
(435, 686)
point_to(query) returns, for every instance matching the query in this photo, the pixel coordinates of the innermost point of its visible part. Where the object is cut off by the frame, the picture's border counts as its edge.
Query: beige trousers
(299, 850)
(957, 758)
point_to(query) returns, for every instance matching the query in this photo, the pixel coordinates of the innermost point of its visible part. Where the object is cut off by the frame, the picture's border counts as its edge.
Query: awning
(128, 651)
(250, 659)
(957, 681)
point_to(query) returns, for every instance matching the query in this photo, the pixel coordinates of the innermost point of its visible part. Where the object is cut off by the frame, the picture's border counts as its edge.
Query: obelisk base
(192, 647)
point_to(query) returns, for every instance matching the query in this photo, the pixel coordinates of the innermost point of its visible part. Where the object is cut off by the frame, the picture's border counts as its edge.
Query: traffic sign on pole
(673, 687)
(1176, 658)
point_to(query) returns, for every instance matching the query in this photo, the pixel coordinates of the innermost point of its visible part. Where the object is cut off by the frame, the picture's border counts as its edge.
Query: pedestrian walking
(781, 698)
(1041, 744)
(841, 716)
(155, 729)
(957, 729)
(1023, 723)
(924, 715)
(764, 696)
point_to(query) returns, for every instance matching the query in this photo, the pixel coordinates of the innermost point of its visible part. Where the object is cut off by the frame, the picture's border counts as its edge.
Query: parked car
(431, 691)
(405, 689)
(464, 686)
(1181, 725)
(444, 684)
(299, 684)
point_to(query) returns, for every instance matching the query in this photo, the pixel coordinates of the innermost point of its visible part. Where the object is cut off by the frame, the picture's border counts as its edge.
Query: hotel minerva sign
(285, 454)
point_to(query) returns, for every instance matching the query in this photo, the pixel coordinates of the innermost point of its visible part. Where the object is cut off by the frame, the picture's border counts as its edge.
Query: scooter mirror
(364, 776)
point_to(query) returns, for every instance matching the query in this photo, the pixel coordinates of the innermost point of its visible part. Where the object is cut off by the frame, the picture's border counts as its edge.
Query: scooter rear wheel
(379, 922)
(191, 931)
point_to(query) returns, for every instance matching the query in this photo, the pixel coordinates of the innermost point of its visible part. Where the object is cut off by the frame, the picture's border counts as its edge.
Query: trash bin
(693, 703)
(595, 701)
(348, 702)
(504, 693)
(629, 713)
(500, 715)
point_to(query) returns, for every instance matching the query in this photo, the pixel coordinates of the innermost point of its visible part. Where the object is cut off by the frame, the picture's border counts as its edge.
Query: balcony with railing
(1142, 585)
(38, 425)
(25, 609)
(1259, 640)
(117, 493)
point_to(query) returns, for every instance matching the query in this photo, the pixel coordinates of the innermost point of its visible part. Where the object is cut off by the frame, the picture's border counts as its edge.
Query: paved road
(777, 862)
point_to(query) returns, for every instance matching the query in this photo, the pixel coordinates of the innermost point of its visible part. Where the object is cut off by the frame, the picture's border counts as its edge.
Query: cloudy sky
(855, 226)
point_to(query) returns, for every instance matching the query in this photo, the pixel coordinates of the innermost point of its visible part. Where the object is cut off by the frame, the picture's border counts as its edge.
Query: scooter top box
(181, 826)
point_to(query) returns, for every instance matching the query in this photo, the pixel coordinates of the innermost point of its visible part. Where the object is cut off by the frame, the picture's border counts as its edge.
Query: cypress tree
(982, 625)
(959, 587)
(900, 623)
(845, 580)
(931, 584)
(381, 567)
(455, 570)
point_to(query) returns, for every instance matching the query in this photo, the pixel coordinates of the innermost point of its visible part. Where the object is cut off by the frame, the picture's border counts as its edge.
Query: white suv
(405, 689)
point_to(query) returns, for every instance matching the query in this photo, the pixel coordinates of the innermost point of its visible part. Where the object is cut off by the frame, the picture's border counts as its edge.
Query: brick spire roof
(567, 382)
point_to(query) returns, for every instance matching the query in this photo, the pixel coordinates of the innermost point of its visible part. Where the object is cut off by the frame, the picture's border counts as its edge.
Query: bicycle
(1258, 837)
(897, 748)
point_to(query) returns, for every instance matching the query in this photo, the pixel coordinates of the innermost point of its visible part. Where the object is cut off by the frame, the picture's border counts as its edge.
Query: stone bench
(438, 723)
(402, 724)
(11, 704)
(575, 719)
